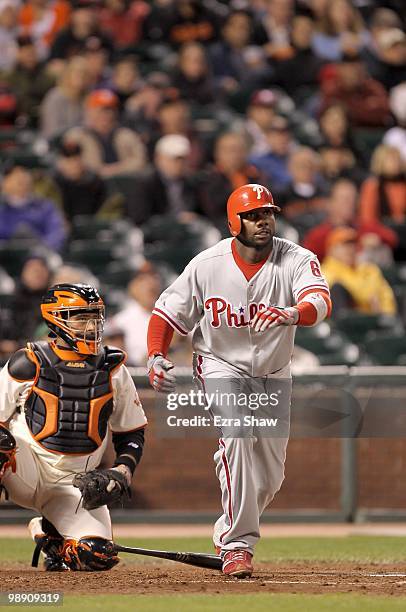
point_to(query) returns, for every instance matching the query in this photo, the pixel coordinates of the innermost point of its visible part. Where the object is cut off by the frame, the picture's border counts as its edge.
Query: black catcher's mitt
(101, 487)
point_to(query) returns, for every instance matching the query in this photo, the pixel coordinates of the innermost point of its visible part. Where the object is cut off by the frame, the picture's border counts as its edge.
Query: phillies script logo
(258, 189)
(219, 309)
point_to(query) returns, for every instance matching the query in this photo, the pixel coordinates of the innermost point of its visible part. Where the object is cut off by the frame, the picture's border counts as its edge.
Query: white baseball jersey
(43, 478)
(213, 298)
(127, 415)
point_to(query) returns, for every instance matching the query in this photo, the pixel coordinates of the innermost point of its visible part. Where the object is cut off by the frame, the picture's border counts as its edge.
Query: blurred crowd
(126, 124)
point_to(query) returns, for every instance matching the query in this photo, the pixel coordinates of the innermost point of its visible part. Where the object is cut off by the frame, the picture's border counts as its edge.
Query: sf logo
(258, 189)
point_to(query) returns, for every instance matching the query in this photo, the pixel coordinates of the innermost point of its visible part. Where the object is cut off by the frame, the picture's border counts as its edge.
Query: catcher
(57, 400)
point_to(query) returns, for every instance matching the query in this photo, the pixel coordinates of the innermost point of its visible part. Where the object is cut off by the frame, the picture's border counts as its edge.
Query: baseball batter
(243, 299)
(57, 401)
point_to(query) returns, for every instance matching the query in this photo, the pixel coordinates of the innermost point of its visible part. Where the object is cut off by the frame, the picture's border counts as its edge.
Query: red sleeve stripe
(168, 319)
(314, 289)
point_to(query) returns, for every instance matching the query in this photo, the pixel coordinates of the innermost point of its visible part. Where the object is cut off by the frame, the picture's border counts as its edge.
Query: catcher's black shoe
(50, 543)
(55, 564)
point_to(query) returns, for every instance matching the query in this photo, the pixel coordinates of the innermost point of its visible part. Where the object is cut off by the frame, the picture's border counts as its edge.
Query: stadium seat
(13, 254)
(86, 227)
(356, 325)
(396, 274)
(165, 228)
(176, 256)
(386, 348)
(94, 254)
(331, 346)
(118, 275)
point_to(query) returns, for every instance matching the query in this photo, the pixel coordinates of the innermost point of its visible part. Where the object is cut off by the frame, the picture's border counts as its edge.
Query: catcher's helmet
(62, 302)
(246, 198)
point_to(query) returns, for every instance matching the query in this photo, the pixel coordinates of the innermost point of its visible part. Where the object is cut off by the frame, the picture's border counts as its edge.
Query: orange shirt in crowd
(370, 208)
(43, 25)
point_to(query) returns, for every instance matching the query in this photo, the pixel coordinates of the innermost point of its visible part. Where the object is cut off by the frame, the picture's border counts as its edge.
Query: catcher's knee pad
(7, 450)
(90, 554)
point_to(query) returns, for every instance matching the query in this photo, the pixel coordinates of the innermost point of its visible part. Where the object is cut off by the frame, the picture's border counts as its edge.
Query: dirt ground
(160, 578)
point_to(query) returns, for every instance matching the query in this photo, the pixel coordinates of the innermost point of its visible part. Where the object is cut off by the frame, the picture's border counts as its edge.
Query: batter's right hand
(159, 374)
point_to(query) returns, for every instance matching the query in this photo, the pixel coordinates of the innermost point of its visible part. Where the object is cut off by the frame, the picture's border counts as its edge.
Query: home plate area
(153, 578)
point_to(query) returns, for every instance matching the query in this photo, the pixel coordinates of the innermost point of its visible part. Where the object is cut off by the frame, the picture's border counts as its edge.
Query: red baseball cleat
(238, 563)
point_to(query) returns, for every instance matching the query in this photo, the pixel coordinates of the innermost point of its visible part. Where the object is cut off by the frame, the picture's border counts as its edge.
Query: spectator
(383, 194)
(157, 22)
(122, 20)
(274, 163)
(29, 82)
(341, 31)
(342, 212)
(277, 22)
(354, 286)
(96, 53)
(143, 107)
(396, 136)
(192, 77)
(62, 107)
(166, 189)
(132, 321)
(303, 200)
(74, 273)
(83, 24)
(365, 99)
(231, 170)
(389, 65)
(8, 113)
(336, 129)
(339, 162)
(383, 54)
(42, 20)
(25, 313)
(230, 60)
(260, 115)
(8, 33)
(183, 21)
(125, 80)
(22, 214)
(298, 75)
(108, 148)
(83, 191)
(174, 117)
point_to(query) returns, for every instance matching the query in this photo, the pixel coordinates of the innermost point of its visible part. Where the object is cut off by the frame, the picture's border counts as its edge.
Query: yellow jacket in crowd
(365, 283)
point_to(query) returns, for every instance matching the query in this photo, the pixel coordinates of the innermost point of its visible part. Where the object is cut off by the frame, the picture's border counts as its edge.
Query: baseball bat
(190, 558)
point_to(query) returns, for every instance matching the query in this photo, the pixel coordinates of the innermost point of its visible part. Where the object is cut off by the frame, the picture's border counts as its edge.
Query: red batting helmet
(246, 198)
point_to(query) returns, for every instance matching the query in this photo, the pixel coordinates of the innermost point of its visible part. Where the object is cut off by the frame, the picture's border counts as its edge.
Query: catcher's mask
(75, 313)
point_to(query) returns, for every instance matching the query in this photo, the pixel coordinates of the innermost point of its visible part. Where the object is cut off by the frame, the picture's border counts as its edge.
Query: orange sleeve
(62, 12)
(368, 201)
(308, 313)
(159, 335)
(26, 18)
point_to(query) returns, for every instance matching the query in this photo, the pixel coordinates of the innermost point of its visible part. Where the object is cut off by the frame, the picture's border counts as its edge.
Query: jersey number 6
(315, 268)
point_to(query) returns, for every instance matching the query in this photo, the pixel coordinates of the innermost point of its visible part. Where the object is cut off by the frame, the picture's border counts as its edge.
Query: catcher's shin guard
(50, 542)
(90, 554)
(7, 450)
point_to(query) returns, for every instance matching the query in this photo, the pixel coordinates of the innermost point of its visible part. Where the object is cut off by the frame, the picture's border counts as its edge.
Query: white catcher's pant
(249, 463)
(38, 486)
